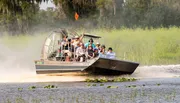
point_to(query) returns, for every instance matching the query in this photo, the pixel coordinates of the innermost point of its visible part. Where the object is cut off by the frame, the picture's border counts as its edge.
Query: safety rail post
(74, 53)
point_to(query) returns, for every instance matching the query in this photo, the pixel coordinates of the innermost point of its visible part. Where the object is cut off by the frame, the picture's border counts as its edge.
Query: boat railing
(72, 49)
(61, 52)
(115, 57)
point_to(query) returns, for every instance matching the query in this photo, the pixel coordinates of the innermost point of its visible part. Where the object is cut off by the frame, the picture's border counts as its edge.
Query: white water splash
(157, 71)
(18, 62)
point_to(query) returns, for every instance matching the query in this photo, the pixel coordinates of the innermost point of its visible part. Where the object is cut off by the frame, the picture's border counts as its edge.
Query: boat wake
(157, 71)
(163, 71)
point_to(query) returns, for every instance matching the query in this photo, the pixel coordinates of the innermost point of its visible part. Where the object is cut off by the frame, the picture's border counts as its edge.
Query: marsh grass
(36, 101)
(20, 100)
(158, 84)
(20, 89)
(115, 79)
(155, 46)
(146, 46)
(112, 86)
(50, 86)
(32, 88)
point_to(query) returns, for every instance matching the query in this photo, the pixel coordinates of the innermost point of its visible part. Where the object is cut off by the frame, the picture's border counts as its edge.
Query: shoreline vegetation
(104, 80)
(146, 46)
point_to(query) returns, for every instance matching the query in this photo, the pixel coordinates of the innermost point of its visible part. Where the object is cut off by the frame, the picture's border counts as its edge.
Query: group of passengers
(76, 48)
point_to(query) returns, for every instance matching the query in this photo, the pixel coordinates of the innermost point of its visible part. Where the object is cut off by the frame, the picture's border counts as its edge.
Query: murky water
(148, 90)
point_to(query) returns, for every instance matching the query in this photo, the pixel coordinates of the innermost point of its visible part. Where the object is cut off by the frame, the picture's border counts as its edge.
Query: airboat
(52, 60)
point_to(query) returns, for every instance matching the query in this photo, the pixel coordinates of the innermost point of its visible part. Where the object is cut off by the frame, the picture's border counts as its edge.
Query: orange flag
(76, 16)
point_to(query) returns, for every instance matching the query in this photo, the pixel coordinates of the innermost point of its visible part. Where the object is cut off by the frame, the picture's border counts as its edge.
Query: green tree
(151, 13)
(134, 11)
(84, 8)
(18, 21)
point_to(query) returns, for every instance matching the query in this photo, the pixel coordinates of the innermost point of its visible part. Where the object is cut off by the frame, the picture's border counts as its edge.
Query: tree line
(22, 16)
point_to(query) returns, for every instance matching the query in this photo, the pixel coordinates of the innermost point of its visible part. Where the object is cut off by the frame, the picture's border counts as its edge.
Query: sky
(45, 5)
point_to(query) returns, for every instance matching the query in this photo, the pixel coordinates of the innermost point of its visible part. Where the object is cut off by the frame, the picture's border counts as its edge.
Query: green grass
(154, 46)
(116, 79)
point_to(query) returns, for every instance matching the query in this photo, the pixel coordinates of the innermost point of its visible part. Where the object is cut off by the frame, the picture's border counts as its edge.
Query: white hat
(76, 37)
(97, 43)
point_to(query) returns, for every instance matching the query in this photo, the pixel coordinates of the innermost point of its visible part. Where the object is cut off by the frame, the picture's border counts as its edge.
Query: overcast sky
(44, 5)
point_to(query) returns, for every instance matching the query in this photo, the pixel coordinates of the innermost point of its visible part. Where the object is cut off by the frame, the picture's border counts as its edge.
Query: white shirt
(110, 55)
(80, 51)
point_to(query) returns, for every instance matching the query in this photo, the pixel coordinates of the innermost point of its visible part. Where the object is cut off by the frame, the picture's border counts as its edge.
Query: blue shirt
(102, 55)
(87, 44)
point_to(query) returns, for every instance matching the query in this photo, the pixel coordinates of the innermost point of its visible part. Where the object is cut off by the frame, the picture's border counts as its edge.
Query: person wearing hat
(110, 54)
(77, 40)
(90, 43)
(98, 46)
